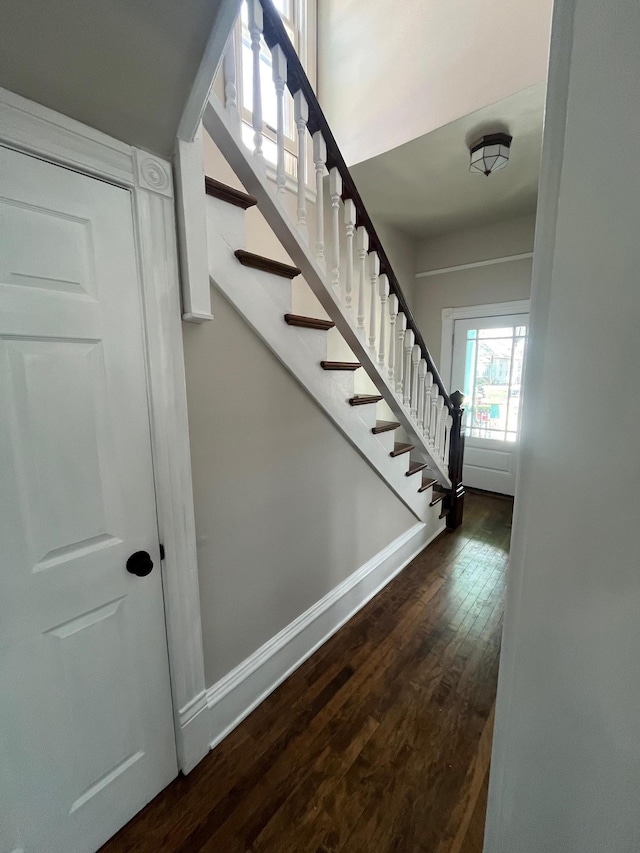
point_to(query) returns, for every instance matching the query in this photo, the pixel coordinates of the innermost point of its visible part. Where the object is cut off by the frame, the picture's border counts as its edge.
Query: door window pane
(492, 382)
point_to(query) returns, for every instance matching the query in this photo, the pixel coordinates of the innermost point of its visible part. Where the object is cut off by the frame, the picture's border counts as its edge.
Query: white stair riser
(229, 220)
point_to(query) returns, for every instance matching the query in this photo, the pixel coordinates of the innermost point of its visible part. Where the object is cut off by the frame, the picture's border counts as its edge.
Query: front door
(86, 730)
(488, 357)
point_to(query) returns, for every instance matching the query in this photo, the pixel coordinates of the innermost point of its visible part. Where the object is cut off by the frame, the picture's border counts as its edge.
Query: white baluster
(350, 224)
(383, 290)
(415, 360)
(393, 313)
(439, 425)
(335, 189)
(433, 420)
(422, 372)
(409, 338)
(319, 161)
(362, 247)
(279, 71)
(401, 324)
(447, 439)
(428, 386)
(374, 272)
(301, 117)
(229, 75)
(255, 22)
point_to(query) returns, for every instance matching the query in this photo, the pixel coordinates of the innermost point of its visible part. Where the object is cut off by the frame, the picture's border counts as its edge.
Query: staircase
(336, 318)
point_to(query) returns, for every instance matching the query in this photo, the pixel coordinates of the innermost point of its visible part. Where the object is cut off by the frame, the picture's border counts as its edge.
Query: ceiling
(125, 67)
(424, 187)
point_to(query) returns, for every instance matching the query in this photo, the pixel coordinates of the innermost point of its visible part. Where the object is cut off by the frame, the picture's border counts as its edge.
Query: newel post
(456, 457)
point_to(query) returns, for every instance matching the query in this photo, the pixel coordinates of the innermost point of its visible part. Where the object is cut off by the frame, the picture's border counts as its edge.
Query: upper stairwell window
(299, 19)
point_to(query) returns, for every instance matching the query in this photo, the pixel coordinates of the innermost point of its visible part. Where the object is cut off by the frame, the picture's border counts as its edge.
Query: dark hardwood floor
(380, 741)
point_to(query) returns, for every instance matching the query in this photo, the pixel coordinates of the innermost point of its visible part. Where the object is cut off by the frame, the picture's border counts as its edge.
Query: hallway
(380, 741)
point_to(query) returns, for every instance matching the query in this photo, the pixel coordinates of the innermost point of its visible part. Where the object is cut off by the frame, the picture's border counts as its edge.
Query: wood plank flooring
(380, 741)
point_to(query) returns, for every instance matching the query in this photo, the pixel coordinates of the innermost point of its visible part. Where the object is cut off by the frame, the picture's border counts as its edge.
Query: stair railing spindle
(439, 425)
(301, 118)
(422, 372)
(374, 272)
(319, 161)
(350, 228)
(408, 347)
(447, 439)
(401, 324)
(362, 247)
(428, 390)
(279, 72)
(415, 360)
(229, 76)
(335, 191)
(393, 313)
(256, 25)
(383, 289)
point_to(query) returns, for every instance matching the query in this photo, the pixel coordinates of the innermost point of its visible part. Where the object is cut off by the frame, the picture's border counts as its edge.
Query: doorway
(488, 345)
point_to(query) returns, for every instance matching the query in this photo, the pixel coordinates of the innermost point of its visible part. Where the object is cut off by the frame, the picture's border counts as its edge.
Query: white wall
(285, 507)
(389, 74)
(566, 760)
(478, 285)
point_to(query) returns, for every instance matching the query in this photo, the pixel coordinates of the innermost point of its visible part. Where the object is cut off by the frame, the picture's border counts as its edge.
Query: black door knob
(140, 564)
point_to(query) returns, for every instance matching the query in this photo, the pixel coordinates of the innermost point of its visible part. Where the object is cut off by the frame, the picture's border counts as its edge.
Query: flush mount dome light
(490, 153)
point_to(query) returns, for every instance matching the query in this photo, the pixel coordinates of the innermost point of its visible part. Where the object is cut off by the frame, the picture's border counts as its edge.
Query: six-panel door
(86, 732)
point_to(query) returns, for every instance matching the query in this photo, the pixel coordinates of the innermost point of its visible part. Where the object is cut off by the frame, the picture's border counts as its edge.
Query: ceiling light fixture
(490, 153)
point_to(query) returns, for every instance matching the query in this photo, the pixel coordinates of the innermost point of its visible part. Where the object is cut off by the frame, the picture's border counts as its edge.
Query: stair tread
(399, 449)
(340, 365)
(364, 399)
(308, 322)
(260, 262)
(414, 467)
(229, 194)
(437, 497)
(427, 484)
(384, 426)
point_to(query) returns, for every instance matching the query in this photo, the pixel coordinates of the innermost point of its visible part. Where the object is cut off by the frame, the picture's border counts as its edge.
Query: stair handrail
(275, 33)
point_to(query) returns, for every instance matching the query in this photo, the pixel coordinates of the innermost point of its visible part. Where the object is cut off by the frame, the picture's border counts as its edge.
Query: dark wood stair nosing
(229, 194)
(259, 262)
(385, 426)
(364, 399)
(308, 322)
(427, 485)
(414, 467)
(437, 497)
(399, 449)
(340, 365)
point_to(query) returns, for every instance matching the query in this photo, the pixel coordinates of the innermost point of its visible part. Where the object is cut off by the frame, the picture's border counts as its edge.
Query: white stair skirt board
(217, 123)
(233, 698)
(263, 299)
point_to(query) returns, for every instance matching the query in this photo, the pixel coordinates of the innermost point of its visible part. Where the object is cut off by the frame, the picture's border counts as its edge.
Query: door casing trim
(33, 129)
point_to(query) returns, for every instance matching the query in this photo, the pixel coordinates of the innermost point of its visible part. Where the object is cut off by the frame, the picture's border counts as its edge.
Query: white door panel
(488, 356)
(85, 707)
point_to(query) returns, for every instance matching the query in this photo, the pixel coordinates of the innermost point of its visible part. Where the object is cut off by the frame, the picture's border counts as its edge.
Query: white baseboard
(233, 698)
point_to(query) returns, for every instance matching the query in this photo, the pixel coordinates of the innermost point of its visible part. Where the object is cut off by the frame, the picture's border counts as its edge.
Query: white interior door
(86, 730)
(488, 357)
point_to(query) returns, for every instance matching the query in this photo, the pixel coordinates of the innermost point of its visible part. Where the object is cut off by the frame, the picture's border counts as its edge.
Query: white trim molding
(31, 128)
(233, 698)
(191, 215)
(474, 264)
(470, 312)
